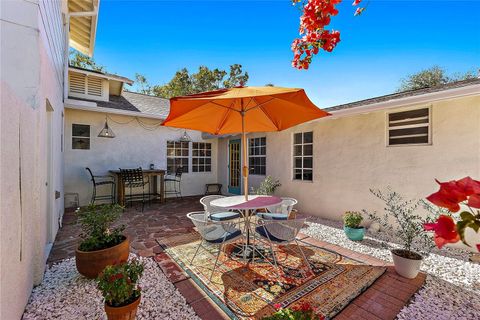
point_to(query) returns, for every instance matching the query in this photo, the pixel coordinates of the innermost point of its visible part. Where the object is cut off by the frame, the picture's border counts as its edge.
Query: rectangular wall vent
(94, 85)
(77, 82)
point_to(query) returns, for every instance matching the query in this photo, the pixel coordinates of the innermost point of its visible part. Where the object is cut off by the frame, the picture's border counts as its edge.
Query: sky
(389, 41)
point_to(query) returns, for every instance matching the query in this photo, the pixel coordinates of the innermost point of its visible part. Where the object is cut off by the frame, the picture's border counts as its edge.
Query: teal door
(234, 167)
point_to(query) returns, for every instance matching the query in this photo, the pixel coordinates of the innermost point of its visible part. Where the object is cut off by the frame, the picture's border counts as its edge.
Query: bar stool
(133, 178)
(174, 181)
(102, 181)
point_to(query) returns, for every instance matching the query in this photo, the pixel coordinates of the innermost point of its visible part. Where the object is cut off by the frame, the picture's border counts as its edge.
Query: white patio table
(247, 209)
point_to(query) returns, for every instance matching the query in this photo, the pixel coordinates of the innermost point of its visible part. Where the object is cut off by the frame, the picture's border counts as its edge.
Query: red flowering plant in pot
(118, 284)
(459, 221)
(302, 311)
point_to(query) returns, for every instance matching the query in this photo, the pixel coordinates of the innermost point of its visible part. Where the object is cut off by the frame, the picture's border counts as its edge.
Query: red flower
(277, 306)
(445, 230)
(469, 186)
(356, 2)
(449, 196)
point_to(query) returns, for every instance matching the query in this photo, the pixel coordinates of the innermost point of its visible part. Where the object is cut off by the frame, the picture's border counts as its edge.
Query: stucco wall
(132, 147)
(29, 77)
(350, 156)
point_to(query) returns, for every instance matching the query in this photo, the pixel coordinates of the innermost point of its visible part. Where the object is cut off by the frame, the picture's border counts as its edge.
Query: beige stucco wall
(132, 147)
(351, 156)
(31, 73)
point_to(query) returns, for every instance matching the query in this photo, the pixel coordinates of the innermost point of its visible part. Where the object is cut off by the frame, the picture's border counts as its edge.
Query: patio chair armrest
(105, 177)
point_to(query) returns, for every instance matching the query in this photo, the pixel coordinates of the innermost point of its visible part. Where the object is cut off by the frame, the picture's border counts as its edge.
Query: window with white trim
(80, 136)
(410, 127)
(177, 156)
(257, 156)
(201, 157)
(303, 156)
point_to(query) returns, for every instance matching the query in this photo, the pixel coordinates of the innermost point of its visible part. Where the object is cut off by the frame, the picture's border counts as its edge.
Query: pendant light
(106, 132)
(185, 137)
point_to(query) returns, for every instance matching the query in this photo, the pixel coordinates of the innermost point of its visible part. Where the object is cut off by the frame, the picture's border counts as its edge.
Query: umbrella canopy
(242, 110)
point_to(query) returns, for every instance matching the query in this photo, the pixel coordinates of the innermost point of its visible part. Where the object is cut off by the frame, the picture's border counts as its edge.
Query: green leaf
(467, 216)
(461, 226)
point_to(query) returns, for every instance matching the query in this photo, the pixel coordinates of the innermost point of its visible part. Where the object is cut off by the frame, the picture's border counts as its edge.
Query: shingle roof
(404, 94)
(132, 101)
(136, 102)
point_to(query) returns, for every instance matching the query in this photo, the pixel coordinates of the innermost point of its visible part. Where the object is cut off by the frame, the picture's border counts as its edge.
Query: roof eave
(408, 101)
(87, 50)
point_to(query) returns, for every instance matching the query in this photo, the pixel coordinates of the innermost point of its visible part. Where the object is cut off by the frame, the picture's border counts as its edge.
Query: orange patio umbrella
(242, 110)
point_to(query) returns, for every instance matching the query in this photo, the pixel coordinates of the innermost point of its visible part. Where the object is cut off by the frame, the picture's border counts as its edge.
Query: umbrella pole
(245, 158)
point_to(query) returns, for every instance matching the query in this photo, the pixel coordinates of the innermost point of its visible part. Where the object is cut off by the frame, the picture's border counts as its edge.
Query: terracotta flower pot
(407, 263)
(91, 263)
(128, 312)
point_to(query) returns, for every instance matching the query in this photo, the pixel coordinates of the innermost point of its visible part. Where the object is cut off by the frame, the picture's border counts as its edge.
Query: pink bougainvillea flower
(474, 201)
(449, 196)
(277, 306)
(469, 186)
(356, 2)
(359, 11)
(445, 230)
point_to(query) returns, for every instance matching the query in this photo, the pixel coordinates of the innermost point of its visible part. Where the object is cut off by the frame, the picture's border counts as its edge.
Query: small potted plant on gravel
(351, 225)
(118, 284)
(401, 224)
(102, 244)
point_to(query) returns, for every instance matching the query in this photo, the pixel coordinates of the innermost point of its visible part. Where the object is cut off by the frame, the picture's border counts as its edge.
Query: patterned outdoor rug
(252, 291)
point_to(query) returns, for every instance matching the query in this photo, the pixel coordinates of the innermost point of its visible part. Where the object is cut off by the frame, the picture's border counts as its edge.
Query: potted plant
(351, 225)
(303, 311)
(403, 225)
(102, 244)
(268, 186)
(122, 294)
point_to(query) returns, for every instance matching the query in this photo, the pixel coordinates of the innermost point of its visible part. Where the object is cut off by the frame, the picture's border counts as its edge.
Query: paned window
(80, 136)
(303, 156)
(177, 156)
(201, 157)
(257, 159)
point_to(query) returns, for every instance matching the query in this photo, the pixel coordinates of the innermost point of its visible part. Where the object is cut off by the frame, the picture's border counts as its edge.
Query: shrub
(402, 223)
(118, 283)
(352, 219)
(97, 231)
(268, 186)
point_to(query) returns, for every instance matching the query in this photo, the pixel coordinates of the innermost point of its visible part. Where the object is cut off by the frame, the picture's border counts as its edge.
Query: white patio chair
(283, 211)
(280, 232)
(214, 233)
(215, 213)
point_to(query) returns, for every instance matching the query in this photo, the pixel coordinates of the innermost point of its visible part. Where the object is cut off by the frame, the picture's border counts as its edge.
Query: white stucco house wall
(35, 36)
(139, 141)
(359, 147)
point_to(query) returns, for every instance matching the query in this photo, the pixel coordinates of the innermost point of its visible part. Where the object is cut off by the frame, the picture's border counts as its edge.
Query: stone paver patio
(383, 300)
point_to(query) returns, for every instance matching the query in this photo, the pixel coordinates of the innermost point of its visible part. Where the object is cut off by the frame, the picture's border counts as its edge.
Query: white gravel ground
(65, 294)
(452, 288)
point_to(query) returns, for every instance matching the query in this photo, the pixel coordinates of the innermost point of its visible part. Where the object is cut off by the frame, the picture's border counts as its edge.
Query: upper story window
(201, 157)
(177, 156)
(303, 156)
(85, 86)
(80, 136)
(410, 127)
(257, 159)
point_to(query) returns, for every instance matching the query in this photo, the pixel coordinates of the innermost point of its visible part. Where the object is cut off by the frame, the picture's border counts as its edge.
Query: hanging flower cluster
(453, 195)
(315, 18)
